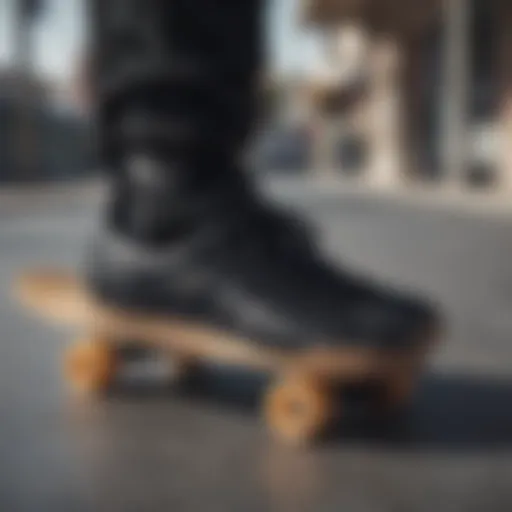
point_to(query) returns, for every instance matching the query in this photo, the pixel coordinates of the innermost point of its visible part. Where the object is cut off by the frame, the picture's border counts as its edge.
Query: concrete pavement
(148, 448)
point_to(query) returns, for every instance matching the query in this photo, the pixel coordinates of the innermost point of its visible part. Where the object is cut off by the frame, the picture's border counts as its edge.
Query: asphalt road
(147, 448)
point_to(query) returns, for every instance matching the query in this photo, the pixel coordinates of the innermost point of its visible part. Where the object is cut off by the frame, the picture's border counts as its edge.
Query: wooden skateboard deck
(297, 408)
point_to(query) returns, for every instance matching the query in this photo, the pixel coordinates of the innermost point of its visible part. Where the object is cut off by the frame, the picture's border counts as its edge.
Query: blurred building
(39, 138)
(426, 86)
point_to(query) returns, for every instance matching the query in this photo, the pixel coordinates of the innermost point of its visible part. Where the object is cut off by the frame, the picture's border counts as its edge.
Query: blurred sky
(60, 33)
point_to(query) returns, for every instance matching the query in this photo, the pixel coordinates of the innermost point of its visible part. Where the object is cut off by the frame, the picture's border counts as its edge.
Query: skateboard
(299, 405)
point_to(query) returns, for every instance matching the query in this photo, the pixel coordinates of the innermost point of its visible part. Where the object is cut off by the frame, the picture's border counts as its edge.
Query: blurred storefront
(426, 86)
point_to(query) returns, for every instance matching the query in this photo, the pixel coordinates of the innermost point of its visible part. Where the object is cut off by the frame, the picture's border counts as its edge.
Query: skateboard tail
(54, 295)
